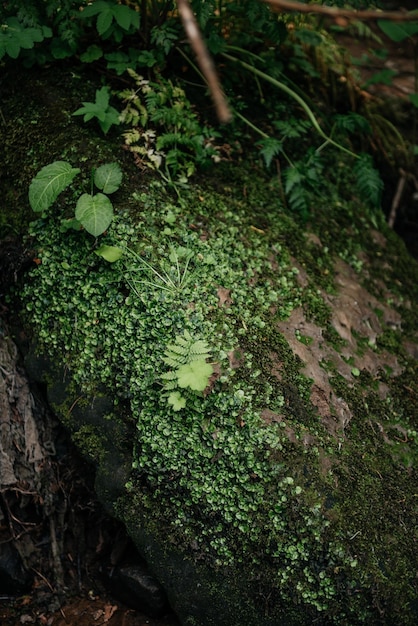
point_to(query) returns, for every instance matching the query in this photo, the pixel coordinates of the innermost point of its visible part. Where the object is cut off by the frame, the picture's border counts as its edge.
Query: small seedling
(106, 115)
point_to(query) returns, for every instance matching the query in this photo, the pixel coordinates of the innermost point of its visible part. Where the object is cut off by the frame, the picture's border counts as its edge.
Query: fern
(185, 350)
(270, 147)
(368, 181)
(190, 370)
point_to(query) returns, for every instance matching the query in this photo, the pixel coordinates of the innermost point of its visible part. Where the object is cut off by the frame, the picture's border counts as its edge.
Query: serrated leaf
(270, 147)
(102, 98)
(109, 253)
(92, 53)
(94, 212)
(368, 180)
(90, 110)
(194, 375)
(12, 48)
(49, 182)
(108, 177)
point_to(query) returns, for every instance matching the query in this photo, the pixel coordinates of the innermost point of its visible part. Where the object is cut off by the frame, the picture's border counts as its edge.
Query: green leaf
(194, 375)
(104, 21)
(102, 98)
(111, 118)
(90, 110)
(270, 147)
(396, 31)
(49, 182)
(94, 212)
(91, 54)
(94, 8)
(122, 15)
(109, 253)
(414, 99)
(108, 177)
(176, 400)
(368, 181)
(70, 224)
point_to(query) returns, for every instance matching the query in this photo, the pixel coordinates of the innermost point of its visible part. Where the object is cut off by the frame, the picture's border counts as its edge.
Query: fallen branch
(301, 7)
(204, 60)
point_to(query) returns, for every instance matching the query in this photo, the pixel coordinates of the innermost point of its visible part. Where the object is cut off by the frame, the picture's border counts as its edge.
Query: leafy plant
(106, 115)
(14, 36)
(166, 133)
(190, 370)
(171, 279)
(93, 212)
(111, 16)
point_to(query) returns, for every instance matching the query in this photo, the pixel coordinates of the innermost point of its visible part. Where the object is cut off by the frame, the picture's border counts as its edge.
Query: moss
(279, 507)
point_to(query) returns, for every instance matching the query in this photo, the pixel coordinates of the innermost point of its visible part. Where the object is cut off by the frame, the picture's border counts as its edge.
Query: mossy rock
(285, 491)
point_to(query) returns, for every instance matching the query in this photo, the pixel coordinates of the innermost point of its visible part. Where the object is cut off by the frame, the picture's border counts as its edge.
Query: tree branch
(301, 7)
(204, 60)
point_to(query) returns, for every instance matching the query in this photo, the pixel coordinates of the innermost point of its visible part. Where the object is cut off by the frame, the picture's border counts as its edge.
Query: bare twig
(397, 198)
(301, 7)
(204, 60)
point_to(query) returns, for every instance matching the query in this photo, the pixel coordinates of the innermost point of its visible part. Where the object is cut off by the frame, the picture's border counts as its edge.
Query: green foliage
(190, 371)
(50, 181)
(166, 133)
(93, 212)
(398, 31)
(15, 36)
(229, 481)
(368, 180)
(106, 115)
(110, 16)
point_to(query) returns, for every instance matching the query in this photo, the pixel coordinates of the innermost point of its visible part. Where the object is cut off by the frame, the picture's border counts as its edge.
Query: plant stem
(293, 95)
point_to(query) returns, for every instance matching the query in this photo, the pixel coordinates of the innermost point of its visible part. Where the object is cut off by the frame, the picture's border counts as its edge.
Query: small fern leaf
(368, 181)
(199, 347)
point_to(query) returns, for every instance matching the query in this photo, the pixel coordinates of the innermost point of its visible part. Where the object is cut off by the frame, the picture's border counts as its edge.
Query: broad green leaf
(194, 375)
(94, 212)
(12, 48)
(108, 177)
(49, 182)
(109, 253)
(104, 20)
(398, 32)
(122, 15)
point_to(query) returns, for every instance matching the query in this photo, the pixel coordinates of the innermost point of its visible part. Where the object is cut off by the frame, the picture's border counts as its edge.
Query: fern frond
(199, 347)
(368, 181)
